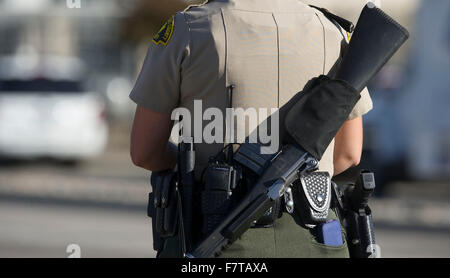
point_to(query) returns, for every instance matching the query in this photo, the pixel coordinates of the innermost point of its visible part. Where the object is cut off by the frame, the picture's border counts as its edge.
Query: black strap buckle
(344, 23)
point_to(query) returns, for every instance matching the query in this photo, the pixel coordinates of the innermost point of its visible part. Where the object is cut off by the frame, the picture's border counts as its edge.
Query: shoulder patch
(165, 33)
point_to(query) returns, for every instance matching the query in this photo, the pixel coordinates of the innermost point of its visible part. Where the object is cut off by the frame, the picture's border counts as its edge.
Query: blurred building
(111, 37)
(44, 26)
(425, 95)
(92, 33)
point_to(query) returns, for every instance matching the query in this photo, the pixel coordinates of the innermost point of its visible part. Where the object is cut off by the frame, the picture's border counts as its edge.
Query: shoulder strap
(204, 2)
(344, 23)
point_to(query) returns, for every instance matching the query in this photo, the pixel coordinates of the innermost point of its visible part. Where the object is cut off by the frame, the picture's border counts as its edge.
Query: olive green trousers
(285, 239)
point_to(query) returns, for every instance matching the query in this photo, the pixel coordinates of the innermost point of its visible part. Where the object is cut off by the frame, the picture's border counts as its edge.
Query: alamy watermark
(74, 251)
(73, 4)
(257, 125)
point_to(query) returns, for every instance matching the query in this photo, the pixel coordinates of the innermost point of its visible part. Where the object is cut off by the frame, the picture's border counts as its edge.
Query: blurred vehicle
(425, 102)
(45, 112)
(117, 100)
(408, 132)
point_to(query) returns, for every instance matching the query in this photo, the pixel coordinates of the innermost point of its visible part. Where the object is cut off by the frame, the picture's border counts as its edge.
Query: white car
(50, 118)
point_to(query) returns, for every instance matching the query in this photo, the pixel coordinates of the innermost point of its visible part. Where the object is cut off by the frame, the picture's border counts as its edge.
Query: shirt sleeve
(158, 85)
(363, 106)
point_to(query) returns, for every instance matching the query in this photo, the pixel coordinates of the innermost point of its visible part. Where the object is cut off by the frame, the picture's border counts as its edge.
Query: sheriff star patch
(165, 33)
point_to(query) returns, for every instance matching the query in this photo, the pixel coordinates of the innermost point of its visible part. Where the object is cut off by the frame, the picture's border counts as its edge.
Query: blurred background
(65, 116)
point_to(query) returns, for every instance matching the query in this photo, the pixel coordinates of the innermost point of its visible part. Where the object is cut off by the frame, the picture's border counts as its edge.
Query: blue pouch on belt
(330, 233)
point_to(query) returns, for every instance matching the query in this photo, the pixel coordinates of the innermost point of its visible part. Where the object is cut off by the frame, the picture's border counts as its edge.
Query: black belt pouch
(163, 207)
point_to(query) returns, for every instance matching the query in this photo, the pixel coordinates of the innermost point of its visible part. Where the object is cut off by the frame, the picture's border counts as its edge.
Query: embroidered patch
(165, 33)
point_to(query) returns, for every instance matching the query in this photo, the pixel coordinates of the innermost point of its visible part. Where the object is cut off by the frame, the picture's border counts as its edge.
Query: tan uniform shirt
(268, 49)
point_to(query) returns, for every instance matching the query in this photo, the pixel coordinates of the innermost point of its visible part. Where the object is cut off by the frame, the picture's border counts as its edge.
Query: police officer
(267, 50)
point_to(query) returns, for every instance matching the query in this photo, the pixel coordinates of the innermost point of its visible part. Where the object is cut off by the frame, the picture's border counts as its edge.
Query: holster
(163, 207)
(351, 202)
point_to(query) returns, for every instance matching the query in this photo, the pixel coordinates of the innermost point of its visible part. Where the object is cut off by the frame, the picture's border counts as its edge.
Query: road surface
(37, 229)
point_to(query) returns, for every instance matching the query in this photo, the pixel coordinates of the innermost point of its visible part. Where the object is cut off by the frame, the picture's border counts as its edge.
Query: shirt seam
(324, 44)
(278, 57)
(227, 82)
(189, 43)
(187, 56)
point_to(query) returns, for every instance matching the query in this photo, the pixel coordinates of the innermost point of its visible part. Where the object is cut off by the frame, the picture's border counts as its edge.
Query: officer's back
(267, 49)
